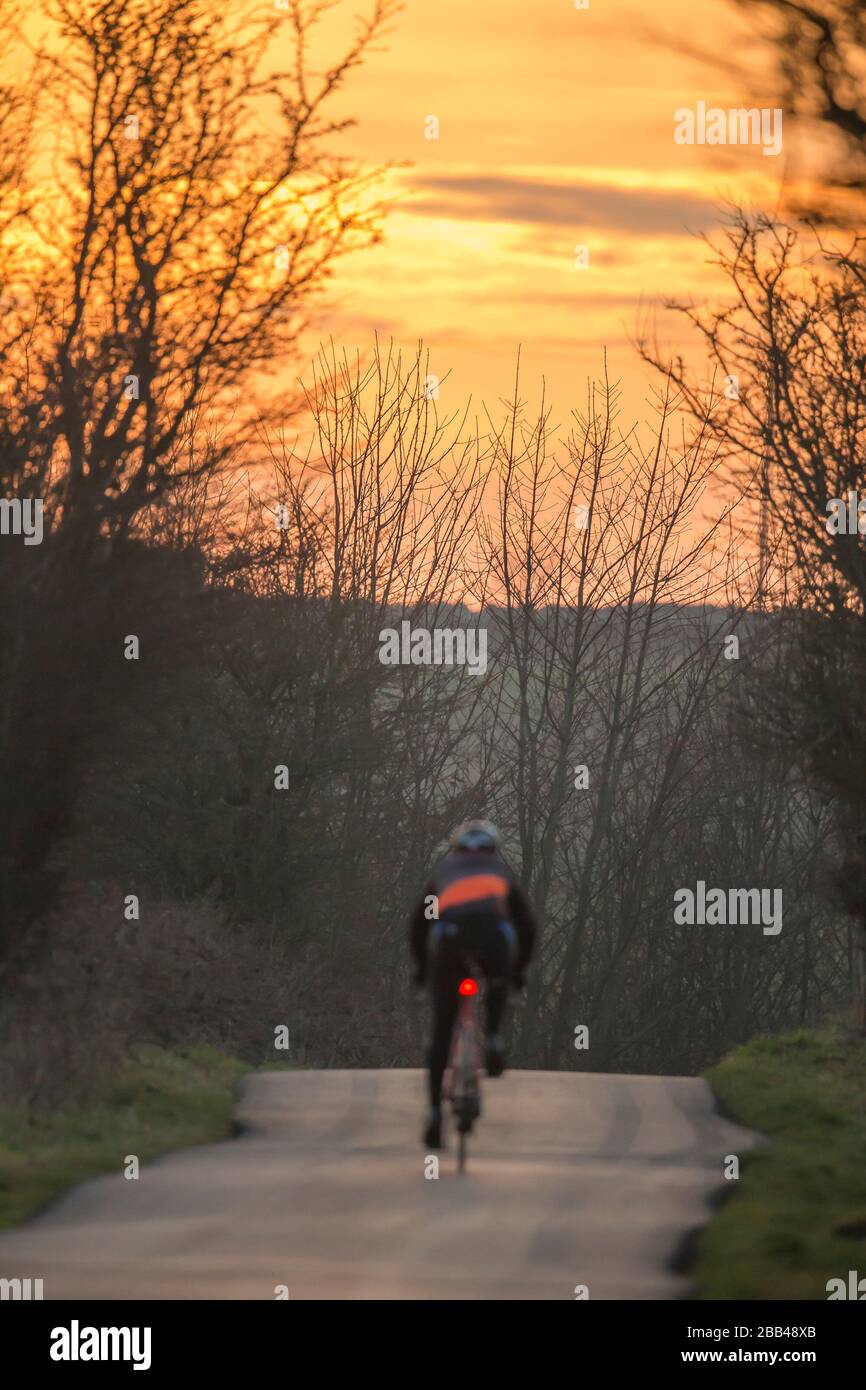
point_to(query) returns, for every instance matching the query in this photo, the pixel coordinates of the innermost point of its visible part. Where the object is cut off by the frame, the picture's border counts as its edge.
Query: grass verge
(798, 1215)
(159, 1100)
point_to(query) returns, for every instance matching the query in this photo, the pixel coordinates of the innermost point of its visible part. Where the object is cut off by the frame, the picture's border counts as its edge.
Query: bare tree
(794, 339)
(820, 48)
(172, 203)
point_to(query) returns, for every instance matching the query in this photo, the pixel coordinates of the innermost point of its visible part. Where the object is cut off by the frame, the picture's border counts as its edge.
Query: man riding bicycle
(472, 909)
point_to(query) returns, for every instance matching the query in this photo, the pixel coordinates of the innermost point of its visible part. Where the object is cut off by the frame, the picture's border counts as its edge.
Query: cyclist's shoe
(495, 1057)
(433, 1132)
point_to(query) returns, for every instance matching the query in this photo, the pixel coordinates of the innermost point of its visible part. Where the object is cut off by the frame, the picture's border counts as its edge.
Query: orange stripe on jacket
(472, 889)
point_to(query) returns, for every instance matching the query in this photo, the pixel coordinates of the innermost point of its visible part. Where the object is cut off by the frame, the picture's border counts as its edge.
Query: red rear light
(468, 987)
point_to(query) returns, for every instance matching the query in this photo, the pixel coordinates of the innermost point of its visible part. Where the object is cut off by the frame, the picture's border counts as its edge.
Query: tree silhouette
(171, 206)
(820, 47)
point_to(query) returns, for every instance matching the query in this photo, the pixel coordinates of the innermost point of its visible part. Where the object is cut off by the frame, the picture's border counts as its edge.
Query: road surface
(575, 1179)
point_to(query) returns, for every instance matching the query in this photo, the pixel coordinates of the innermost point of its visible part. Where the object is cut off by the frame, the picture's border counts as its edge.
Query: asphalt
(575, 1181)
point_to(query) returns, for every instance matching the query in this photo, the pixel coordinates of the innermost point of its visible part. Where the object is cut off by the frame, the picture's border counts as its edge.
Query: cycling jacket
(476, 885)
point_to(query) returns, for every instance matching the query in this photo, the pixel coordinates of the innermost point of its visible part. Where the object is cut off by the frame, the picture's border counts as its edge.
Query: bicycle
(463, 1075)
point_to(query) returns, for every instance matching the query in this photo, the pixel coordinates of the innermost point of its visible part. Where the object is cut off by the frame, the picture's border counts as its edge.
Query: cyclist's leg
(497, 959)
(446, 971)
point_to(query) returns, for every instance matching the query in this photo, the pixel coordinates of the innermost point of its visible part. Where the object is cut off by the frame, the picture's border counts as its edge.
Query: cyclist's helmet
(475, 835)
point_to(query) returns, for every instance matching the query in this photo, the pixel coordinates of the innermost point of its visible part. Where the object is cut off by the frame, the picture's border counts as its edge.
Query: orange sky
(556, 129)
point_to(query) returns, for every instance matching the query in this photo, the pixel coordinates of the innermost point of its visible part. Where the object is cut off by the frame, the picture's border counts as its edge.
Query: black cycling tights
(490, 947)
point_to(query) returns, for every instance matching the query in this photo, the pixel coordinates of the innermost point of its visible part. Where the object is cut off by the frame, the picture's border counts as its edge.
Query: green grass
(159, 1100)
(778, 1236)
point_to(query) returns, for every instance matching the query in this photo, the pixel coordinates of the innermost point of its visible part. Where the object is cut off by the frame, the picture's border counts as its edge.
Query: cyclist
(472, 909)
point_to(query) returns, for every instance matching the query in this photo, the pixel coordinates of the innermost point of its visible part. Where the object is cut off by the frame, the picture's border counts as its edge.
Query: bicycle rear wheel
(462, 1146)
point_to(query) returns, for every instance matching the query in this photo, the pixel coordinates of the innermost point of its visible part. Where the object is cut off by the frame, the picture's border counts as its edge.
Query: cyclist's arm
(419, 927)
(524, 924)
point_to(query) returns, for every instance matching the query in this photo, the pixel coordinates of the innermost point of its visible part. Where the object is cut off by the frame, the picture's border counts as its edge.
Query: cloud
(491, 198)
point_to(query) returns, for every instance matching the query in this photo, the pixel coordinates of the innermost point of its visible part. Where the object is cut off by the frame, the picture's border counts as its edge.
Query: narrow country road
(574, 1179)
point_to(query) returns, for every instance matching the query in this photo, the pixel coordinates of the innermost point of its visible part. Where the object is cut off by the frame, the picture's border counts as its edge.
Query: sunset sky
(555, 129)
